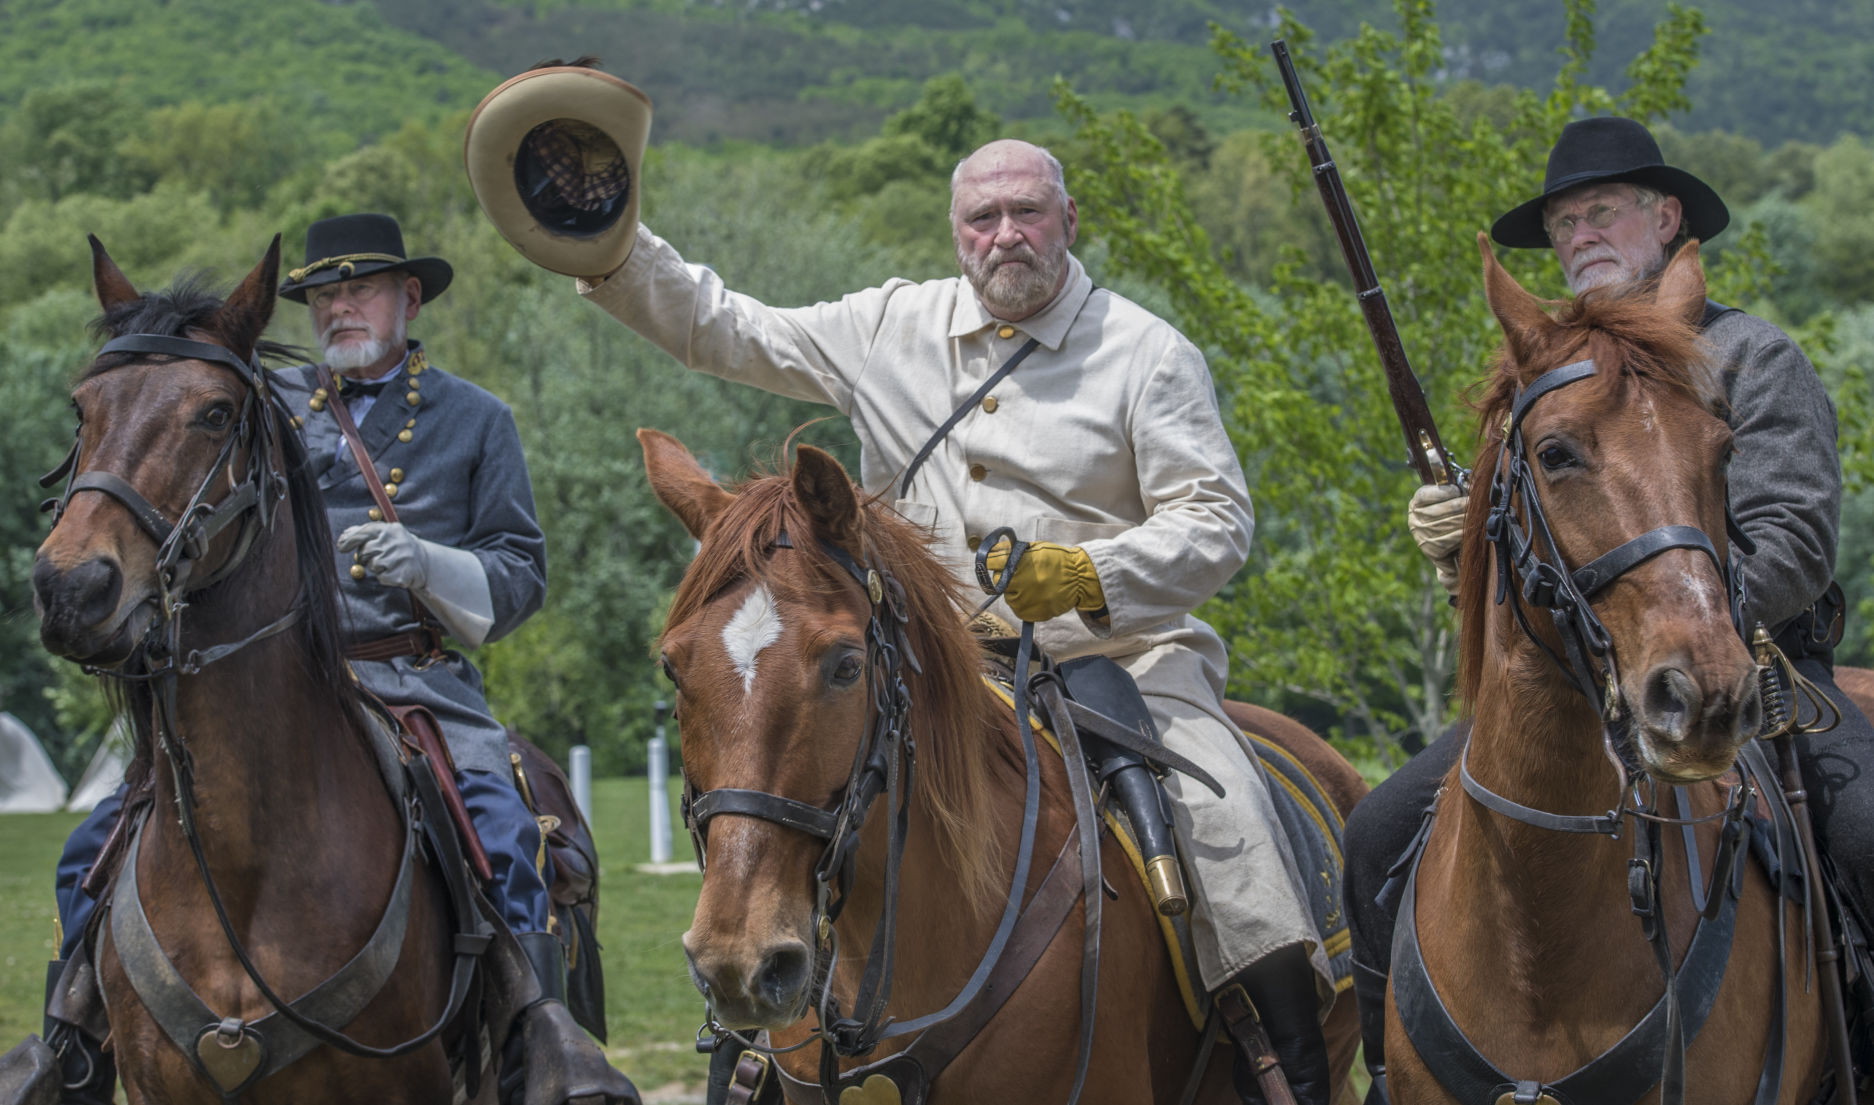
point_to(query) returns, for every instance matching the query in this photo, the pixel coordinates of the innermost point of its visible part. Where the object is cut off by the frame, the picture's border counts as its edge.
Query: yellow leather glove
(1436, 519)
(1049, 581)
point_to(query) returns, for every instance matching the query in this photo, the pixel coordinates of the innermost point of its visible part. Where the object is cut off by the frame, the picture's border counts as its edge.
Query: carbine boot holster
(548, 1059)
(1101, 685)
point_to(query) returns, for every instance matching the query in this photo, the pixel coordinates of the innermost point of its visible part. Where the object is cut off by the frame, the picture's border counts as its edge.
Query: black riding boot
(1281, 988)
(545, 1034)
(87, 1075)
(1369, 989)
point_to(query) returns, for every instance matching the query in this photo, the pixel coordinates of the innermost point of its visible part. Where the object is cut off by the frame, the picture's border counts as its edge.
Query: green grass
(651, 1009)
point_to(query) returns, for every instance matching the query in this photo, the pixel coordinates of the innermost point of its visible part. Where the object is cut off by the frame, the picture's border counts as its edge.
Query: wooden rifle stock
(1423, 446)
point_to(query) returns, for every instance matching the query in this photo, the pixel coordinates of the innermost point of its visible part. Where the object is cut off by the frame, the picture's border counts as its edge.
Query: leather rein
(1528, 556)
(160, 661)
(884, 763)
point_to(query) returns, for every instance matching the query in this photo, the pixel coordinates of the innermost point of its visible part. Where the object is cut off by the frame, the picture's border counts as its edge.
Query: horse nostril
(1671, 702)
(81, 597)
(783, 975)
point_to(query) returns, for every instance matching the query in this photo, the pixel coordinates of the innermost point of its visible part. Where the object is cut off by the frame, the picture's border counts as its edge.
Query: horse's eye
(849, 669)
(218, 416)
(670, 672)
(1554, 457)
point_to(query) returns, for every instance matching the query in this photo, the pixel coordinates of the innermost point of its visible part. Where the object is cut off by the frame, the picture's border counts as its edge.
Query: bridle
(182, 544)
(1529, 551)
(883, 763)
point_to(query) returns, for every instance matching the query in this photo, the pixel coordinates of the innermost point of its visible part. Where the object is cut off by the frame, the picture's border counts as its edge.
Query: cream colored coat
(1107, 437)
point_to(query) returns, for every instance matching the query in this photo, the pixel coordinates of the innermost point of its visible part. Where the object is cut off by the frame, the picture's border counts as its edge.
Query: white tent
(105, 772)
(28, 781)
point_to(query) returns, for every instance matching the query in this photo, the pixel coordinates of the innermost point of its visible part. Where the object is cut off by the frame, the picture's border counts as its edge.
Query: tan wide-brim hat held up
(553, 157)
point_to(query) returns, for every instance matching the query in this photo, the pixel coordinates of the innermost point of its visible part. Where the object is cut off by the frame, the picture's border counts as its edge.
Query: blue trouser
(506, 826)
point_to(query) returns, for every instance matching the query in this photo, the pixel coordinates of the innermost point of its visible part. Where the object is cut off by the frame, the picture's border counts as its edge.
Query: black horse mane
(191, 305)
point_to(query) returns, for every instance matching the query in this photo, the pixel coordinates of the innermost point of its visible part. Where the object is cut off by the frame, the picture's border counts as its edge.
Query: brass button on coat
(972, 541)
(1006, 332)
(404, 435)
(989, 404)
(978, 472)
(390, 491)
(412, 398)
(375, 514)
(357, 571)
(396, 475)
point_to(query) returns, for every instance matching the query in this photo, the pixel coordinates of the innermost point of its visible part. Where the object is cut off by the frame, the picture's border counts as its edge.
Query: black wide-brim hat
(1611, 150)
(350, 246)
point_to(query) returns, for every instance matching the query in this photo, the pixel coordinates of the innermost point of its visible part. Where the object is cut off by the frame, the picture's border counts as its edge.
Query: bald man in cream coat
(1105, 444)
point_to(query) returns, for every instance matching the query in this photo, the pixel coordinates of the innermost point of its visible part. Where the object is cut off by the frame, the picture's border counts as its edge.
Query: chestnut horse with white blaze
(773, 644)
(1581, 667)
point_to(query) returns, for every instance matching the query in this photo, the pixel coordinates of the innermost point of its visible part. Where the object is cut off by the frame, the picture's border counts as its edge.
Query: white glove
(388, 551)
(451, 582)
(1436, 519)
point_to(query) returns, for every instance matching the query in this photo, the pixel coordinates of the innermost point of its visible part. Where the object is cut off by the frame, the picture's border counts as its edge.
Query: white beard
(356, 354)
(1014, 291)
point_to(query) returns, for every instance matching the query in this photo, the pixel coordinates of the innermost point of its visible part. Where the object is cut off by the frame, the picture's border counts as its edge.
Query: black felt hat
(350, 246)
(1605, 151)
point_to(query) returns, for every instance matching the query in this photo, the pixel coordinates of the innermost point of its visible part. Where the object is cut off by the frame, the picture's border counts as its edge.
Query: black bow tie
(349, 389)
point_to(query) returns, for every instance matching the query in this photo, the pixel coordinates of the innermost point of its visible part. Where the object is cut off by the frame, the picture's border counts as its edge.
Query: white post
(660, 800)
(579, 767)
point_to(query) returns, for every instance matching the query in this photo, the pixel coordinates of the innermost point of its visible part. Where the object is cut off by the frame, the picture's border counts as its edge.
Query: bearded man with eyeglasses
(1614, 212)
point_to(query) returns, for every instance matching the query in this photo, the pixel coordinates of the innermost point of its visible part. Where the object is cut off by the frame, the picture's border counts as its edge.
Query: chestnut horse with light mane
(1528, 934)
(767, 643)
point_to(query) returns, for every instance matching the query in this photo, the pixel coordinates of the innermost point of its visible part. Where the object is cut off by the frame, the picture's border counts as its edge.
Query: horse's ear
(1520, 314)
(243, 318)
(680, 483)
(1682, 285)
(113, 287)
(824, 491)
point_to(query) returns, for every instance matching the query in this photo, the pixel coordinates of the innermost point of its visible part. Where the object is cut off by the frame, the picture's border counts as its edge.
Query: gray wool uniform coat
(461, 481)
(1785, 479)
(1107, 437)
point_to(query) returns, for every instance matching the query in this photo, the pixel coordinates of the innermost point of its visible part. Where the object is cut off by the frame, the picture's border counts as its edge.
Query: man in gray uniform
(1614, 212)
(465, 556)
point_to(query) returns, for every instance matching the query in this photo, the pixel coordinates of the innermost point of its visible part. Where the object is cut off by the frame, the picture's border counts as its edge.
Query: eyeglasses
(358, 291)
(1600, 217)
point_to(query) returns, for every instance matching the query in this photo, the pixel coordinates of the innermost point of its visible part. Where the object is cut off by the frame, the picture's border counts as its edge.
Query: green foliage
(1337, 606)
(1841, 201)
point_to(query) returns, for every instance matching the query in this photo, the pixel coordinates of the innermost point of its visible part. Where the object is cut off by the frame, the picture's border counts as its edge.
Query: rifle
(1423, 446)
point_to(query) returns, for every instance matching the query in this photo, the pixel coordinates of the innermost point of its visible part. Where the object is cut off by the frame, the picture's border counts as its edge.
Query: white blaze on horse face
(755, 626)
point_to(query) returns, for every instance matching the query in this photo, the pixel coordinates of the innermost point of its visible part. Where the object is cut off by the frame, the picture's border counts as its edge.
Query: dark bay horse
(201, 545)
(774, 645)
(1529, 934)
